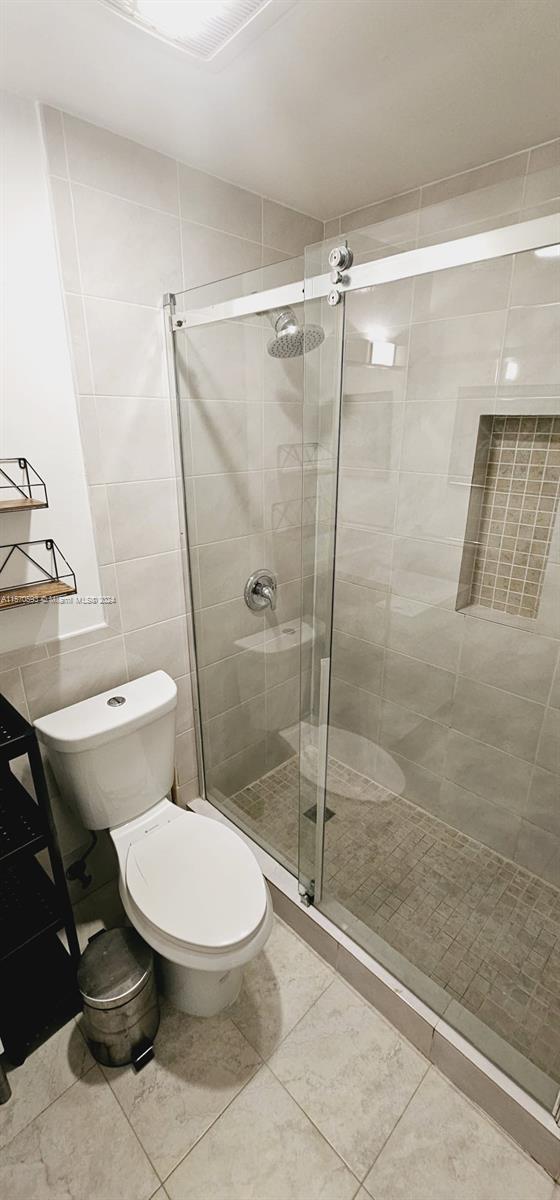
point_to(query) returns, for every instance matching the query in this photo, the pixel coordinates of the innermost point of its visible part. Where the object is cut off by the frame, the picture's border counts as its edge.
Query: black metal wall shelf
(39, 991)
(53, 581)
(19, 495)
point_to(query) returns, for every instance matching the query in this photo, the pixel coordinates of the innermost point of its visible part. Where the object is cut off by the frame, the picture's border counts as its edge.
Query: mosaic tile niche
(512, 511)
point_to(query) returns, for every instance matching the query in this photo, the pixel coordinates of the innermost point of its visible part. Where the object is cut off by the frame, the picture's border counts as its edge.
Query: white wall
(38, 415)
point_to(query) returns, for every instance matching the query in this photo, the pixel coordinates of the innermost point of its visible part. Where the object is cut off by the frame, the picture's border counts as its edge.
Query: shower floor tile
(482, 928)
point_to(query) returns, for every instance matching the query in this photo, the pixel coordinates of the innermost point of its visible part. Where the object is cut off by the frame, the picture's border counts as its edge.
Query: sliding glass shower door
(240, 404)
(430, 750)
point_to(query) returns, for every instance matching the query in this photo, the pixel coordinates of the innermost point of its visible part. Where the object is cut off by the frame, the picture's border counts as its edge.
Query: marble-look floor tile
(199, 1066)
(42, 1078)
(445, 1149)
(278, 988)
(81, 1146)
(350, 1072)
(263, 1146)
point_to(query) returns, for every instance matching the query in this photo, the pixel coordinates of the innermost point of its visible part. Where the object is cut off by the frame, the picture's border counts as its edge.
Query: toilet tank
(113, 755)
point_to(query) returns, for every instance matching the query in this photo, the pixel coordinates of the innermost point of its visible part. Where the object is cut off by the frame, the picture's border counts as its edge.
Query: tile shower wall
(455, 711)
(132, 225)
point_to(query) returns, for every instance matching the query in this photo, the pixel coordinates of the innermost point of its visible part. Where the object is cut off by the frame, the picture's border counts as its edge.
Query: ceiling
(339, 103)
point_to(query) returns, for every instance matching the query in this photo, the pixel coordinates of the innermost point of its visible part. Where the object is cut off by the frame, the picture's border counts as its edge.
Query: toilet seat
(198, 884)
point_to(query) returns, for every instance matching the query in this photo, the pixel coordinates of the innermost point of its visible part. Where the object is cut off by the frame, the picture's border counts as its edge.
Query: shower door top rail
(535, 234)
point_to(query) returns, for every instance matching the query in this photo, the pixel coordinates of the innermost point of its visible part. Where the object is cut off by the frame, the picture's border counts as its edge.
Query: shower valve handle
(260, 590)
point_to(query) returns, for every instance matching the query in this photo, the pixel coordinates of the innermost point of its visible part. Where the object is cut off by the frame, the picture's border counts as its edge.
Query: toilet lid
(197, 881)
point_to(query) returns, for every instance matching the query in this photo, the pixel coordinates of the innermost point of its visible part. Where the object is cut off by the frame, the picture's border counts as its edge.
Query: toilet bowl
(195, 892)
(190, 885)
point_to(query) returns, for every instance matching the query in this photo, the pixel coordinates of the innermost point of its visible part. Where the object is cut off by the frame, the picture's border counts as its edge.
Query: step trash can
(121, 1007)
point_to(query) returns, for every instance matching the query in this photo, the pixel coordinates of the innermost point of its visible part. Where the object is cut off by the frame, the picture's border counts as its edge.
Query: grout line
(429, 1065)
(252, 1076)
(153, 308)
(177, 215)
(528, 150)
(112, 483)
(94, 400)
(338, 978)
(92, 187)
(131, 1126)
(335, 978)
(77, 1079)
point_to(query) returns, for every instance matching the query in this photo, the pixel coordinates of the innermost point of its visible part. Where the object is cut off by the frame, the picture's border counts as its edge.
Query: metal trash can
(121, 1008)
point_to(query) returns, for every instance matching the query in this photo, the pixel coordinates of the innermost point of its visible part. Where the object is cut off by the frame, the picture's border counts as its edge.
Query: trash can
(121, 1008)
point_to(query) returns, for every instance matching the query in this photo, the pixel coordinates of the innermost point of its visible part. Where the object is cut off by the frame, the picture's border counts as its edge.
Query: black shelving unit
(39, 991)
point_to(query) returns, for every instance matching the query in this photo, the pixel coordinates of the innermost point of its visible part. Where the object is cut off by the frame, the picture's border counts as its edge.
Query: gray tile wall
(457, 712)
(131, 225)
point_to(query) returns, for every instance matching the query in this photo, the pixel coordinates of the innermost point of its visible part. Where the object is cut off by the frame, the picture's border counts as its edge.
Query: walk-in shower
(389, 731)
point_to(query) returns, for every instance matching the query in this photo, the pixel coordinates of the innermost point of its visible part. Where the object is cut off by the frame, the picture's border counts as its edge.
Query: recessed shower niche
(513, 504)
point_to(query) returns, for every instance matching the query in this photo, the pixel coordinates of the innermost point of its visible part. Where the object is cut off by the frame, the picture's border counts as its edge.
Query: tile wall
(458, 712)
(133, 224)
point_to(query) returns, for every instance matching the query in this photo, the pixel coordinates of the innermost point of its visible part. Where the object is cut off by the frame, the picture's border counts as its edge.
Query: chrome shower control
(260, 590)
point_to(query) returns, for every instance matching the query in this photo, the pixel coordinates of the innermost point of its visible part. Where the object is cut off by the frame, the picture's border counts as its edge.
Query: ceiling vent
(204, 29)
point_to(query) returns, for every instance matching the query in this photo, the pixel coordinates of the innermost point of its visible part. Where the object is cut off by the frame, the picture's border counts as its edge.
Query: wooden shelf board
(30, 592)
(20, 505)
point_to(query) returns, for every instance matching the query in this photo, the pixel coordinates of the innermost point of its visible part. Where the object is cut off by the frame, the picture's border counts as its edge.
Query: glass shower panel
(241, 417)
(442, 798)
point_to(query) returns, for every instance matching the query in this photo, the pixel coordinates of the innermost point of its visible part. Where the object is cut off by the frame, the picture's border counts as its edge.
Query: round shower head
(292, 343)
(292, 339)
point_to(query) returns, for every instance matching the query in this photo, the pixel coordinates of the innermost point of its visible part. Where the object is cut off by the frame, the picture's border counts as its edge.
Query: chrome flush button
(116, 701)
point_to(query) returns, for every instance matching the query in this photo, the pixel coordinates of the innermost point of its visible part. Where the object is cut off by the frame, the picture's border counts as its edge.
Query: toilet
(190, 885)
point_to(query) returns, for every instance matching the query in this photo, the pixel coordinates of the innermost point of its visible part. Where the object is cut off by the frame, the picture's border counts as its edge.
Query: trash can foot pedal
(142, 1054)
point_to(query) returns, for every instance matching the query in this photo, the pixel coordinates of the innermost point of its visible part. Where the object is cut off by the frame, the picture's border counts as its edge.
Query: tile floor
(484, 929)
(301, 1091)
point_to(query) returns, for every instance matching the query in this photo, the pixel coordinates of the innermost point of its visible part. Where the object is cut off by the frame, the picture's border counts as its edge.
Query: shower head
(291, 339)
